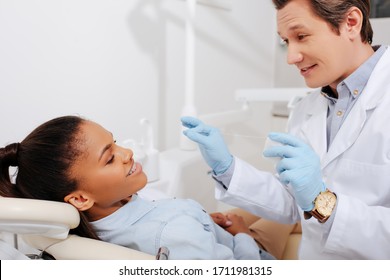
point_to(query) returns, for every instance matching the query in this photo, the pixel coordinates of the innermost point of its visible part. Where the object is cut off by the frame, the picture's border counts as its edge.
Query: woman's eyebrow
(107, 147)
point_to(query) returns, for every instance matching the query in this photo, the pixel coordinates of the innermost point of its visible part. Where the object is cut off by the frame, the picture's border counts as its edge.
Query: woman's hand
(221, 219)
(232, 223)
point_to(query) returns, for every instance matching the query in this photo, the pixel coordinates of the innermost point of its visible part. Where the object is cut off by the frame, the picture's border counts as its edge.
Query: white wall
(381, 31)
(118, 61)
(72, 57)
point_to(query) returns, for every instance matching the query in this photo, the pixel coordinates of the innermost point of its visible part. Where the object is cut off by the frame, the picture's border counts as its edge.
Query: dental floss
(244, 136)
(268, 144)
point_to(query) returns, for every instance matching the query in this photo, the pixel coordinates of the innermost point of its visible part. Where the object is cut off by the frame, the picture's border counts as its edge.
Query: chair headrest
(33, 216)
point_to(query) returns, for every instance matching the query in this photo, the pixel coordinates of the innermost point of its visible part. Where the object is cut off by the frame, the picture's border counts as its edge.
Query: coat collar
(314, 126)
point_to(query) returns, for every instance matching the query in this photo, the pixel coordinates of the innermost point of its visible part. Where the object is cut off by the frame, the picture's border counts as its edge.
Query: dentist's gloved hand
(211, 144)
(300, 167)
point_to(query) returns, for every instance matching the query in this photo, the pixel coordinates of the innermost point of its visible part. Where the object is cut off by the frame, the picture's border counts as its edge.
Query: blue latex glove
(211, 144)
(300, 167)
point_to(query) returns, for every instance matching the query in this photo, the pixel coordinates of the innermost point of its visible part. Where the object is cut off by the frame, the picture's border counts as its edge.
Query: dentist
(333, 175)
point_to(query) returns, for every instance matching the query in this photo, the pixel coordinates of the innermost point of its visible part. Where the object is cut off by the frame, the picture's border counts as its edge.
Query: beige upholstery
(48, 218)
(45, 225)
(280, 240)
(291, 249)
(79, 248)
(292, 245)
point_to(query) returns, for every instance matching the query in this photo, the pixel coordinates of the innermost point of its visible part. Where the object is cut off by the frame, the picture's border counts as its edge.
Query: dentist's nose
(294, 55)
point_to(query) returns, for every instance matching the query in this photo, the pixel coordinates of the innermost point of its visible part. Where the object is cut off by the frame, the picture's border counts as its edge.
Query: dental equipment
(189, 107)
(271, 94)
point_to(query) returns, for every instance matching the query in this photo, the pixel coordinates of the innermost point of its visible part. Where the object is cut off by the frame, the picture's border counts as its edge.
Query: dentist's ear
(79, 200)
(354, 21)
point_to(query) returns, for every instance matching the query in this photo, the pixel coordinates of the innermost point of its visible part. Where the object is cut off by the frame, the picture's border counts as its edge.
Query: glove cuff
(320, 189)
(223, 167)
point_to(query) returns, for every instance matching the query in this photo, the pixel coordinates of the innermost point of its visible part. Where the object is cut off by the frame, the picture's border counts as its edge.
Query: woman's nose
(125, 154)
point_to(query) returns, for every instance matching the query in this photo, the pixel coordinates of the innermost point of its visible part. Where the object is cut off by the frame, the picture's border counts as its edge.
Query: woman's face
(106, 173)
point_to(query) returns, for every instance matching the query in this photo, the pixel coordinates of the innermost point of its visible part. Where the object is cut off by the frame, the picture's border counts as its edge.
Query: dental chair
(45, 225)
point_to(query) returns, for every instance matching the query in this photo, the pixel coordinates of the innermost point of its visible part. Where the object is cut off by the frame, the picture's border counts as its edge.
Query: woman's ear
(80, 200)
(354, 21)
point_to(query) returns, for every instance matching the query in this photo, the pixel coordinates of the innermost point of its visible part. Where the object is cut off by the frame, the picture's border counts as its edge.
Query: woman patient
(75, 160)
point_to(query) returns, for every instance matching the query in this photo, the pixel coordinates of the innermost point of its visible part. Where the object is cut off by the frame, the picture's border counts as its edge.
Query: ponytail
(8, 158)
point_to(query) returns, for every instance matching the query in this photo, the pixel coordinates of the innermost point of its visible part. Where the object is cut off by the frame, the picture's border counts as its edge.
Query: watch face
(325, 203)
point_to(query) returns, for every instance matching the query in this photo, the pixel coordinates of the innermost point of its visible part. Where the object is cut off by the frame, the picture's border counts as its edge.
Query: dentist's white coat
(356, 168)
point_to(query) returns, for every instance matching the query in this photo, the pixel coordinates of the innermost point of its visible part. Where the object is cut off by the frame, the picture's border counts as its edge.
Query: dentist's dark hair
(334, 11)
(43, 161)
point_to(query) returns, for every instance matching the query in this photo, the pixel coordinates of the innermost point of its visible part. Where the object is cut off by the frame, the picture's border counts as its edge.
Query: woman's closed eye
(111, 160)
(112, 157)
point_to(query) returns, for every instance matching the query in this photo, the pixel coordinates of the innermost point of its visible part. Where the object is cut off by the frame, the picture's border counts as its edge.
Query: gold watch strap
(313, 213)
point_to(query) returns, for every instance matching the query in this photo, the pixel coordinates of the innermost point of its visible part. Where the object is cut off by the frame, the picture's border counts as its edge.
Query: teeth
(133, 168)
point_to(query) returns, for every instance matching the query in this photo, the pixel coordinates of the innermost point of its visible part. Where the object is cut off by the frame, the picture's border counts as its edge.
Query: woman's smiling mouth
(132, 169)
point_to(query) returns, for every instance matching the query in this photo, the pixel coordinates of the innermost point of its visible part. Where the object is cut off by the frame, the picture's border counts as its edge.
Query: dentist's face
(322, 56)
(106, 173)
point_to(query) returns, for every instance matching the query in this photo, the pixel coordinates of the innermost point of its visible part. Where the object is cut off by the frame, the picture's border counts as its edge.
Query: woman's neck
(97, 212)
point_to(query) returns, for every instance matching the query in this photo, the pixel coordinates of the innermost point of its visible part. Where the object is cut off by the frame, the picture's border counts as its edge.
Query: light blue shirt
(181, 225)
(349, 90)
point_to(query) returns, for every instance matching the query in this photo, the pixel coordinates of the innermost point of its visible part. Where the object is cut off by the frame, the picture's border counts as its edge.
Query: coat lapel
(314, 126)
(348, 133)
(370, 98)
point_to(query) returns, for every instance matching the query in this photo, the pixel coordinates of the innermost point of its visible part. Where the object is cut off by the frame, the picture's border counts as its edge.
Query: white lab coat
(356, 167)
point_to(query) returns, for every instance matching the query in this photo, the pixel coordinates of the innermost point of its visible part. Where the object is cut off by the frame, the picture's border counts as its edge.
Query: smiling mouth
(132, 169)
(306, 69)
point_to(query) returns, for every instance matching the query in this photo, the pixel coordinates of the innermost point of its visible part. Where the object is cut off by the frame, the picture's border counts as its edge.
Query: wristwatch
(324, 204)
